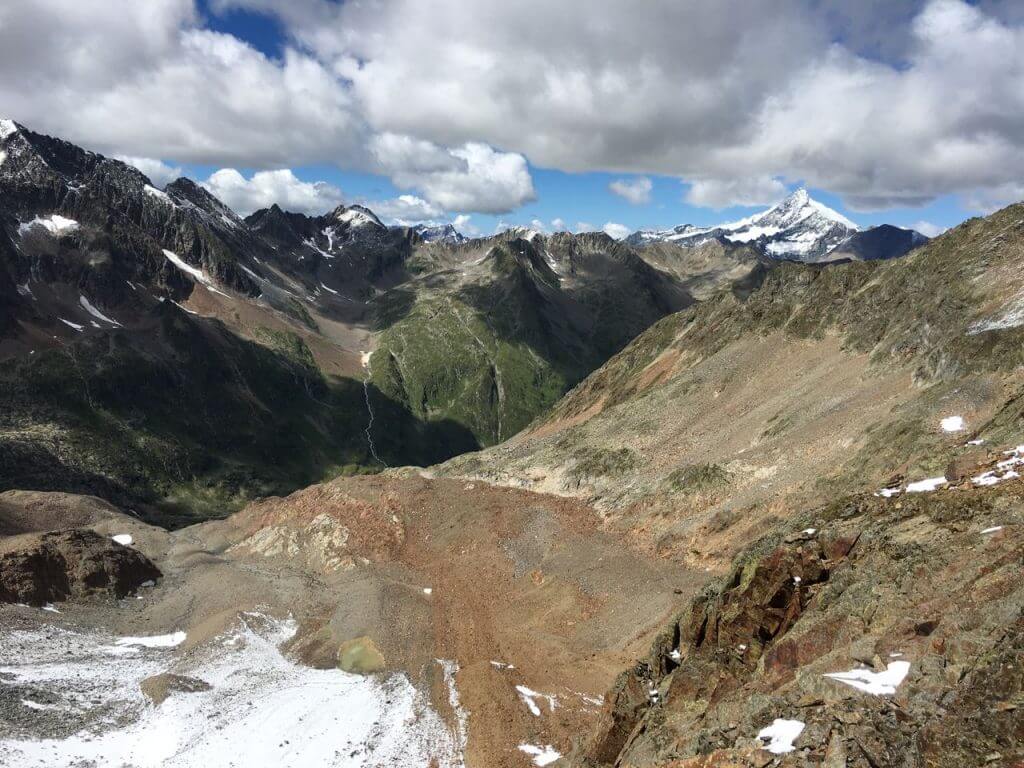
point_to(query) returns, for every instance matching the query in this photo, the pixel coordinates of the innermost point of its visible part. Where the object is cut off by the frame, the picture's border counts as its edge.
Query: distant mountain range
(797, 229)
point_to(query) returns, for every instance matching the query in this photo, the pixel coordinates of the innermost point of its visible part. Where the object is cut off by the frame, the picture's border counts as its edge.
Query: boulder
(158, 687)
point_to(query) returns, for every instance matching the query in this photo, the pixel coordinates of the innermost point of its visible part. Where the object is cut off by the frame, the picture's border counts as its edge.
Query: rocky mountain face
(171, 356)
(439, 232)
(797, 229)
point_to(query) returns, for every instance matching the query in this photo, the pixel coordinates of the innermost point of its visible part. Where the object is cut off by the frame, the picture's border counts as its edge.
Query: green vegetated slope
(502, 337)
(184, 419)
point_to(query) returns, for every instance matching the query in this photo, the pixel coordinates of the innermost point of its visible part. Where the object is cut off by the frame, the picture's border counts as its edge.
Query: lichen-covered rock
(61, 565)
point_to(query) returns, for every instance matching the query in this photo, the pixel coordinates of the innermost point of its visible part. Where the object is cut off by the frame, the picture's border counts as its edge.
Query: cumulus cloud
(147, 80)
(474, 177)
(406, 210)
(264, 188)
(636, 191)
(616, 231)
(883, 103)
(928, 229)
(159, 172)
(463, 223)
(725, 193)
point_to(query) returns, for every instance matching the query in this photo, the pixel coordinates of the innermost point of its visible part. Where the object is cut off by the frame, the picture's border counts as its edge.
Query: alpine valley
(293, 490)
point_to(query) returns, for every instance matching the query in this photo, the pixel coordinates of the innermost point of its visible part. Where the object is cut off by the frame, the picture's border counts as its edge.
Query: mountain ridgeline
(165, 353)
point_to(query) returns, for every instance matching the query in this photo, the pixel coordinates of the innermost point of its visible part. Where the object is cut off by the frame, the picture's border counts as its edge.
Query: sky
(581, 114)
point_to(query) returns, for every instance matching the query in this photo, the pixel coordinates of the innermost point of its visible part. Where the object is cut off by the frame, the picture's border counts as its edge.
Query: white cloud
(928, 229)
(725, 193)
(406, 210)
(991, 199)
(145, 80)
(159, 172)
(584, 226)
(558, 225)
(637, 191)
(463, 224)
(265, 188)
(916, 99)
(474, 177)
(616, 231)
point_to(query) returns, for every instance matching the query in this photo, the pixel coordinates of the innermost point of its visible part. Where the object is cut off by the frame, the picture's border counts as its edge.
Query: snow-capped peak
(439, 233)
(357, 216)
(7, 128)
(798, 227)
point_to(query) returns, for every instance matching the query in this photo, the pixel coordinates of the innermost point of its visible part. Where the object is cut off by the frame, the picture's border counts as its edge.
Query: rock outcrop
(63, 565)
(917, 600)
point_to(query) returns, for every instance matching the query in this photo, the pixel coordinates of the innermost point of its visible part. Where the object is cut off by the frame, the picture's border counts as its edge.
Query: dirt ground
(519, 588)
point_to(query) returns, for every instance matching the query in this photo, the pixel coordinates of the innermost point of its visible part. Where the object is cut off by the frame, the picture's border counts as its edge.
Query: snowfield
(262, 710)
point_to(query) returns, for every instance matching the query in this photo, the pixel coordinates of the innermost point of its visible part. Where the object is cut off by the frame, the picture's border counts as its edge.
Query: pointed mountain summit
(798, 228)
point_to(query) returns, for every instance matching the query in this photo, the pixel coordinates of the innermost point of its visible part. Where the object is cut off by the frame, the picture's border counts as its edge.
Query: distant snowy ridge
(799, 228)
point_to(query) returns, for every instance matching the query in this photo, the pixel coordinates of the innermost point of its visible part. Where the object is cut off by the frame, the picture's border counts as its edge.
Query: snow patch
(358, 217)
(262, 710)
(7, 128)
(993, 529)
(68, 323)
(876, 683)
(541, 755)
(56, 225)
(197, 274)
(927, 485)
(173, 640)
(95, 312)
(124, 539)
(530, 699)
(780, 735)
(952, 424)
(157, 194)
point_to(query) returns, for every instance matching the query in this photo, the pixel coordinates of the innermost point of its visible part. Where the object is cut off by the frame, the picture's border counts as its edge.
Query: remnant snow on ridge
(173, 640)
(541, 755)
(357, 218)
(197, 274)
(952, 424)
(926, 485)
(124, 539)
(7, 128)
(88, 307)
(262, 709)
(780, 735)
(529, 698)
(877, 683)
(158, 194)
(55, 224)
